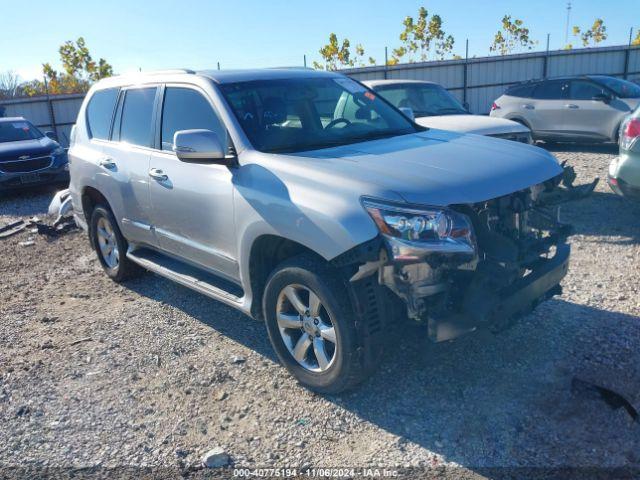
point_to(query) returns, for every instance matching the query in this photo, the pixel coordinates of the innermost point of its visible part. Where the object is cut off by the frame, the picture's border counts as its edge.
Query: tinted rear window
(137, 116)
(520, 90)
(100, 111)
(551, 90)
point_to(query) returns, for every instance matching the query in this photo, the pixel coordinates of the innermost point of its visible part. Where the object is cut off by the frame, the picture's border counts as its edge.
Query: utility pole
(566, 28)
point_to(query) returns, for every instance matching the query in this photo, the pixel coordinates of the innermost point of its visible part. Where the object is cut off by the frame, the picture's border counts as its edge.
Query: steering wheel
(335, 122)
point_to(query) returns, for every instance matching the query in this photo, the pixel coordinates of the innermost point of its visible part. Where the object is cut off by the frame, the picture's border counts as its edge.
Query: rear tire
(312, 326)
(110, 245)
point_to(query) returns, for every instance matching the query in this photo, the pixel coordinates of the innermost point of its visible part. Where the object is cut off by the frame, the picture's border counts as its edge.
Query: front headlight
(58, 151)
(432, 229)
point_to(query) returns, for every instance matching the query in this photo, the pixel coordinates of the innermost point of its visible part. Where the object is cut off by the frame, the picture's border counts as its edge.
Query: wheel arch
(266, 253)
(91, 197)
(521, 120)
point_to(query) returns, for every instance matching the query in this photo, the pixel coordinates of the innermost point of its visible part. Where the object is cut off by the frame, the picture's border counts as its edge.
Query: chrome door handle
(157, 174)
(571, 105)
(107, 163)
(528, 106)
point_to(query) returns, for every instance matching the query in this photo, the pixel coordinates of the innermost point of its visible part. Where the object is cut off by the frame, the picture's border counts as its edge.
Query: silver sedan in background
(431, 105)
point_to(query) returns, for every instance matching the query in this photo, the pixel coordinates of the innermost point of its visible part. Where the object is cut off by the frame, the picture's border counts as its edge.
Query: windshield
(425, 99)
(18, 130)
(294, 115)
(621, 88)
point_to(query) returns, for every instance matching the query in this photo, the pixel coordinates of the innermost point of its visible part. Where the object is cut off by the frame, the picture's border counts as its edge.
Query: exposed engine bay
(519, 260)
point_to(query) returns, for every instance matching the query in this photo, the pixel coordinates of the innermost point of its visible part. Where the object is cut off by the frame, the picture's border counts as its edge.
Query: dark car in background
(28, 157)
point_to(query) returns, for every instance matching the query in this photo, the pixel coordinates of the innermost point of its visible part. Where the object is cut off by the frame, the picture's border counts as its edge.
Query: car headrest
(274, 111)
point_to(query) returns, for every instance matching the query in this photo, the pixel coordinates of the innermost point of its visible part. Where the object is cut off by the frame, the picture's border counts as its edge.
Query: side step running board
(192, 277)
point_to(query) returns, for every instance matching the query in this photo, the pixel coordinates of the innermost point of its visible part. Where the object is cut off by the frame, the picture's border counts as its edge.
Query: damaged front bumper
(497, 309)
(521, 257)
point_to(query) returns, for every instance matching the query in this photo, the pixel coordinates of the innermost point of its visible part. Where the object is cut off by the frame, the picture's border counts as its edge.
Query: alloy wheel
(107, 243)
(306, 328)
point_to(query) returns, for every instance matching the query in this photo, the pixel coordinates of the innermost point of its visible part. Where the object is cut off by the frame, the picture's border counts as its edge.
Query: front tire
(110, 245)
(312, 326)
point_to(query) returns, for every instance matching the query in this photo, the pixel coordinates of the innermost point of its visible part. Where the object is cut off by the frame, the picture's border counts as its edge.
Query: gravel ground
(95, 374)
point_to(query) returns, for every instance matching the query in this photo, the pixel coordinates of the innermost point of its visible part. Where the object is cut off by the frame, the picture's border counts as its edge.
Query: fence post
(386, 61)
(305, 61)
(218, 65)
(464, 72)
(52, 116)
(627, 54)
(545, 64)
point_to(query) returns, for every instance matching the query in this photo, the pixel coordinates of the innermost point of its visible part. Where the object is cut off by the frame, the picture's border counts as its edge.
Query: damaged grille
(514, 229)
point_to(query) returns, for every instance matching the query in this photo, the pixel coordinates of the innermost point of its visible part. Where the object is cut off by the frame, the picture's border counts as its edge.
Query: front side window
(137, 116)
(186, 109)
(298, 114)
(582, 90)
(424, 99)
(100, 112)
(18, 131)
(551, 90)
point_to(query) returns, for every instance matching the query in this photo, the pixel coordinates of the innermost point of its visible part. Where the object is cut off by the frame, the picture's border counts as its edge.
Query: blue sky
(152, 34)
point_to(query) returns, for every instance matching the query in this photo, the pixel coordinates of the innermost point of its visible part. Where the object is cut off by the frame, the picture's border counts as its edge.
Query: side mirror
(602, 97)
(408, 112)
(51, 135)
(199, 146)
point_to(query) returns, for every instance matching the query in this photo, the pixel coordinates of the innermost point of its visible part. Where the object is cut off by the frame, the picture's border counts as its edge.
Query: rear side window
(100, 112)
(551, 90)
(582, 90)
(524, 91)
(137, 116)
(186, 109)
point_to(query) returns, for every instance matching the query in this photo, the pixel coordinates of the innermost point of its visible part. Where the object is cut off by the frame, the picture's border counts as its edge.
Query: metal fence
(56, 113)
(479, 81)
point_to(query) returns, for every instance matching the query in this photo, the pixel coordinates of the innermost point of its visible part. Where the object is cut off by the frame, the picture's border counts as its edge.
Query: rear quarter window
(100, 112)
(524, 91)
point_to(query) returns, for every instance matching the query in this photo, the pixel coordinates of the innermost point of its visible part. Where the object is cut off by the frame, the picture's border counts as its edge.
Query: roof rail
(169, 71)
(290, 67)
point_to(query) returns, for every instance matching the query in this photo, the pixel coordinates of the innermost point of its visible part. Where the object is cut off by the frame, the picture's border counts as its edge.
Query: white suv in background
(586, 108)
(431, 105)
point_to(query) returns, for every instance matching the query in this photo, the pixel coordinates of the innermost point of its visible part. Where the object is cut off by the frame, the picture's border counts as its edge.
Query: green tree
(591, 36)
(513, 36)
(636, 41)
(79, 71)
(421, 37)
(338, 54)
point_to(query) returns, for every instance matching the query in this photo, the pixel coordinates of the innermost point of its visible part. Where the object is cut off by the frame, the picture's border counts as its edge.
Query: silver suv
(304, 199)
(588, 108)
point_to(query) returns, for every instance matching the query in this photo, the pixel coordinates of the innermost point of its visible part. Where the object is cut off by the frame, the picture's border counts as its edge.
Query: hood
(478, 124)
(33, 148)
(436, 167)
